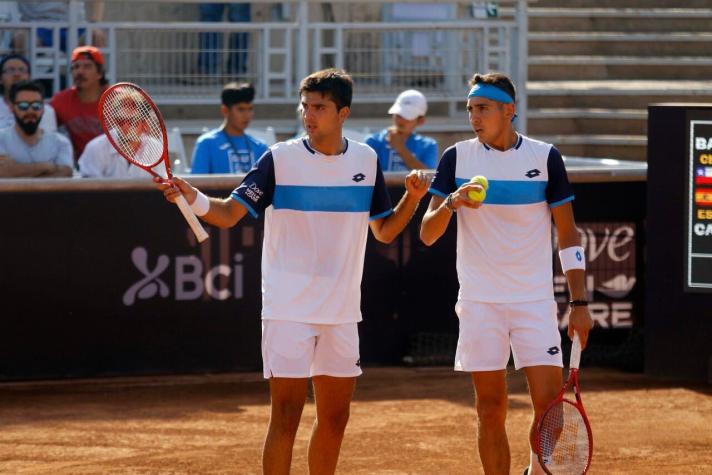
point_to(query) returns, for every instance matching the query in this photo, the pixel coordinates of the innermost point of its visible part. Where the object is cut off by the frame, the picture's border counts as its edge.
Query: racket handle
(575, 352)
(189, 216)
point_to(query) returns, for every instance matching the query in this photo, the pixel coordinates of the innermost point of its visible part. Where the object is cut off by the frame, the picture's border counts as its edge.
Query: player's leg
(544, 384)
(333, 399)
(336, 365)
(287, 402)
(491, 405)
(287, 355)
(483, 350)
(536, 346)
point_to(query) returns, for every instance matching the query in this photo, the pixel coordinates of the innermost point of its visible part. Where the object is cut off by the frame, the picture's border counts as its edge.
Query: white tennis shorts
(487, 330)
(302, 350)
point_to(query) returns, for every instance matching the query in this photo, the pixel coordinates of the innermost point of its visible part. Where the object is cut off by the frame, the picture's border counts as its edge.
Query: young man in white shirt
(504, 262)
(320, 194)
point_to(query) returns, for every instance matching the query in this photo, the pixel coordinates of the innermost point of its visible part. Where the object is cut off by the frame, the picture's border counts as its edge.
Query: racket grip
(189, 216)
(575, 352)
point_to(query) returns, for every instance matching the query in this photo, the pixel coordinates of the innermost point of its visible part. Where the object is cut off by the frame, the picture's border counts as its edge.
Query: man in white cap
(398, 147)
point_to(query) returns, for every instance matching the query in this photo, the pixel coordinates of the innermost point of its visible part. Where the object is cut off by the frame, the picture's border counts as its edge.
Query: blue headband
(489, 91)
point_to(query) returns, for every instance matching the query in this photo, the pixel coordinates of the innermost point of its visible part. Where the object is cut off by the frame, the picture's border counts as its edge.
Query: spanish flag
(703, 196)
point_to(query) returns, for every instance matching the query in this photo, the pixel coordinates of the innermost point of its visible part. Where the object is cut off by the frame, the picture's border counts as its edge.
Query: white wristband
(572, 258)
(201, 205)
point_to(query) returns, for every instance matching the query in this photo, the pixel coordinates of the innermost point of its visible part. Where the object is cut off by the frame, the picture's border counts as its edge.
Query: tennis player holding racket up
(504, 261)
(319, 194)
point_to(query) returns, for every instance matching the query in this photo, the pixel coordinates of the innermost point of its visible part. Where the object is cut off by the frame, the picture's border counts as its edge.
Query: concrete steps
(594, 67)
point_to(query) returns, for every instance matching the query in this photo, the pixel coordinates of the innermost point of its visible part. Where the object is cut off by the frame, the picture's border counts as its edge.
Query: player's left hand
(580, 321)
(417, 183)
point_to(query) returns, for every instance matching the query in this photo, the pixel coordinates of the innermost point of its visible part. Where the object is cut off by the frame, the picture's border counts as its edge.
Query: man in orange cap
(77, 106)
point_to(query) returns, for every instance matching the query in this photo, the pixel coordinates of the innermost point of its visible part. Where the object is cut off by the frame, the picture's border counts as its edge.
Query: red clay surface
(403, 421)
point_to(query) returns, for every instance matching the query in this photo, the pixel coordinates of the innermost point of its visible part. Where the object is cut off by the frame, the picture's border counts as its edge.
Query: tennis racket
(564, 439)
(134, 126)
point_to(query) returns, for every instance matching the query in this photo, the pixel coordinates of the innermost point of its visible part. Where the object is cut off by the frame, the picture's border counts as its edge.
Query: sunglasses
(24, 106)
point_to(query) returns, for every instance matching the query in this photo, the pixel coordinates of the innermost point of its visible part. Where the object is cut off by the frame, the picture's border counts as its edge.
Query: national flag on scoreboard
(703, 176)
(703, 196)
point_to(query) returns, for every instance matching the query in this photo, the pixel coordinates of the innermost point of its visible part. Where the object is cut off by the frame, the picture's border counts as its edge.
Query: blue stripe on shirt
(510, 192)
(349, 199)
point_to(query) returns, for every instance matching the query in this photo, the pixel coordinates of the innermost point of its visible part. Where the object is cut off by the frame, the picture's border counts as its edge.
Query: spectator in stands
(228, 149)
(398, 147)
(15, 68)
(25, 149)
(101, 160)
(9, 38)
(48, 12)
(210, 58)
(77, 106)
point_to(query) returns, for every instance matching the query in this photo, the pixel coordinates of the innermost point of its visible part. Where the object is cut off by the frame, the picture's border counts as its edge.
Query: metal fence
(183, 62)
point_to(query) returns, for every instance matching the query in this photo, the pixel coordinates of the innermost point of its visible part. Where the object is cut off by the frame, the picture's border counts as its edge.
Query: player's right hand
(177, 186)
(460, 196)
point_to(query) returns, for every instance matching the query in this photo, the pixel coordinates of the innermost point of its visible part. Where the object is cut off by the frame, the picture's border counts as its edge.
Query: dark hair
(234, 93)
(7, 58)
(498, 80)
(35, 86)
(335, 83)
(99, 67)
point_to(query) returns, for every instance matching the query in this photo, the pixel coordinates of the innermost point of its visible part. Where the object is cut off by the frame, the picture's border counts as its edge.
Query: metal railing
(187, 62)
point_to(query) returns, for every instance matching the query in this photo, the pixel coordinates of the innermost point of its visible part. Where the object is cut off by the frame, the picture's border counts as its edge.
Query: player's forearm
(223, 213)
(394, 224)
(435, 222)
(576, 278)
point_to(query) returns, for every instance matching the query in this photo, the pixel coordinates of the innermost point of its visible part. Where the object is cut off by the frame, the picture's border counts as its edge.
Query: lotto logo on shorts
(554, 350)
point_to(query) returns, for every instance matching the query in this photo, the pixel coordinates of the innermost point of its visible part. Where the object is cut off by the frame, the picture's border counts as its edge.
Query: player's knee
(492, 411)
(334, 421)
(286, 415)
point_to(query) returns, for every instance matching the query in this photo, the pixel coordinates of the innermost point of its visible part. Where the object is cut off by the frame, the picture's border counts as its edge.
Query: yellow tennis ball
(479, 195)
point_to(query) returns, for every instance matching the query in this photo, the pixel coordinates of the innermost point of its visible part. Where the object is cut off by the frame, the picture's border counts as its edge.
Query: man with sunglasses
(25, 149)
(15, 68)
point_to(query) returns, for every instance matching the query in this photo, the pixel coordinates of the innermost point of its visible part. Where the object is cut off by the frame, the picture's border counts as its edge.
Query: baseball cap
(92, 51)
(409, 104)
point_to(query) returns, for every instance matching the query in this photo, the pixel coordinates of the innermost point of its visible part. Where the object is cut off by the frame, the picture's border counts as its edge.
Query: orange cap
(93, 53)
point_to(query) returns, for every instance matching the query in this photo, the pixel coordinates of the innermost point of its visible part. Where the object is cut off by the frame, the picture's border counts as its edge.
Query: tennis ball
(479, 195)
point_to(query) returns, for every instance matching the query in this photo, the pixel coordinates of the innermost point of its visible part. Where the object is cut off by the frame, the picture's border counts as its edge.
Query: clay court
(404, 421)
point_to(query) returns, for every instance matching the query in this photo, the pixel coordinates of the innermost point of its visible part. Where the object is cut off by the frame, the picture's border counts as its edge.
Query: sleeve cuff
(244, 203)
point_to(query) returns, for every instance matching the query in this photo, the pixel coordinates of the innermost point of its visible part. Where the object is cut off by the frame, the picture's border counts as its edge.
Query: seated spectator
(398, 147)
(101, 160)
(77, 106)
(47, 12)
(15, 68)
(228, 149)
(25, 149)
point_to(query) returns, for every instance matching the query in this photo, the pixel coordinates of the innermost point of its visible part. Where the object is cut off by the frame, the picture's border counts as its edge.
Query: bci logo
(189, 281)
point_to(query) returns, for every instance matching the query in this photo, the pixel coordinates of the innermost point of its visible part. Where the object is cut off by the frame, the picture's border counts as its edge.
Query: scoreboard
(698, 236)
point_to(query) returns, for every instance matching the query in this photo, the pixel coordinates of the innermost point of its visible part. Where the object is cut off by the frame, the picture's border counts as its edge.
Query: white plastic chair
(176, 151)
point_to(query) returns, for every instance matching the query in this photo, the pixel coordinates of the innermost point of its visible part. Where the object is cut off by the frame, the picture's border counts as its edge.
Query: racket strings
(563, 440)
(134, 125)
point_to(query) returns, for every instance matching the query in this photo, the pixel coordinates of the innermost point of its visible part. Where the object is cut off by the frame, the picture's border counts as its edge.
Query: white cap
(410, 105)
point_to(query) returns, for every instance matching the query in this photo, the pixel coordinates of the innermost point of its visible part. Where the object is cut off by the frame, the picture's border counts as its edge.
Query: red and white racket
(134, 126)
(563, 438)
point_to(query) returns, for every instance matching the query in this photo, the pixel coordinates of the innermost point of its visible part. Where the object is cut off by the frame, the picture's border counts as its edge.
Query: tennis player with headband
(504, 261)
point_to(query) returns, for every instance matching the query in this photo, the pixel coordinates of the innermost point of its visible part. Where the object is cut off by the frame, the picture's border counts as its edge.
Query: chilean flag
(703, 176)
(703, 196)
